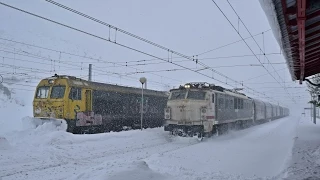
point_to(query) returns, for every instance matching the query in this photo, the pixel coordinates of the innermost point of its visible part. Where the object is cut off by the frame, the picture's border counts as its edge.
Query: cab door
(76, 101)
(88, 99)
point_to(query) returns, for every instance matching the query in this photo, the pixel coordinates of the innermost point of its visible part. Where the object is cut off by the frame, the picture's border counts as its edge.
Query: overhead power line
(249, 46)
(264, 75)
(128, 63)
(146, 62)
(77, 55)
(138, 37)
(149, 42)
(132, 61)
(117, 29)
(139, 51)
(183, 69)
(249, 37)
(61, 61)
(261, 49)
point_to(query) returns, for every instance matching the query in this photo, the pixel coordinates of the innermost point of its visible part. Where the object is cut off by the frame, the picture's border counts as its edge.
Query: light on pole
(142, 80)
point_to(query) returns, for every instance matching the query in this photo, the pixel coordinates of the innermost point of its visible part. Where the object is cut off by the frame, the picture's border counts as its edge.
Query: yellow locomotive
(92, 107)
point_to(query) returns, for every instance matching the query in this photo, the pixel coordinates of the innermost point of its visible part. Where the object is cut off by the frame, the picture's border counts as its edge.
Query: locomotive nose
(186, 110)
(53, 109)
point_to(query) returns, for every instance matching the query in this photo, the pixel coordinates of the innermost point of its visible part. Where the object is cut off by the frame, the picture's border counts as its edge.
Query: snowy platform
(305, 162)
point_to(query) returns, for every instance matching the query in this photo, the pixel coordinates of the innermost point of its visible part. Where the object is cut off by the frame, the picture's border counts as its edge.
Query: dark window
(212, 98)
(75, 94)
(57, 92)
(235, 103)
(241, 103)
(226, 104)
(221, 103)
(43, 92)
(231, 103)
(178, 95)
(199, 95)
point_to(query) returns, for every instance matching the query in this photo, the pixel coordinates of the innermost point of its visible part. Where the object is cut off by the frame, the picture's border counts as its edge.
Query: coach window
(75, 93)
(212, 98)
(235, 103)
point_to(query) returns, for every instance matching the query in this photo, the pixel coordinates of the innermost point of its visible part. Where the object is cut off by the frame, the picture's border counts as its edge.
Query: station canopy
(296, 26)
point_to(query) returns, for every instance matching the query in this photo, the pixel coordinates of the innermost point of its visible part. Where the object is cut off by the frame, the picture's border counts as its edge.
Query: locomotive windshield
(178, 95)
(184, 94)
(43, 92)
(198, 95)
(57, 92)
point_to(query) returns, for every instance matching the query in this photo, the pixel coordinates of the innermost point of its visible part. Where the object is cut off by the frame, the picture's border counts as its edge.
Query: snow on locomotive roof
(208, 86)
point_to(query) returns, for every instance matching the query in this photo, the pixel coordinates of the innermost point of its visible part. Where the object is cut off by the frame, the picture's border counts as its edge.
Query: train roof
(74, 81)
(207, 86)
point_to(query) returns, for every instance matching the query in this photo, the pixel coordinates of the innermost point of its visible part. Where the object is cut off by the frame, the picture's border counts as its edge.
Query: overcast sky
(187, 26)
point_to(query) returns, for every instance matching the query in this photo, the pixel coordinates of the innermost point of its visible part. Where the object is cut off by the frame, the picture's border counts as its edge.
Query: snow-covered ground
(14, 105)
(305, 161)
(260, 152)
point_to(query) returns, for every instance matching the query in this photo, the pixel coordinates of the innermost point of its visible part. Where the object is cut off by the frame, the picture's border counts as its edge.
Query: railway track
(65, 161)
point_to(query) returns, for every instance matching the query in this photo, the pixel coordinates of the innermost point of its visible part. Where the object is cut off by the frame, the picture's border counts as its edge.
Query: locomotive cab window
(43, 92)
(198, 95)
(57, 92)
(75, 93)
(178, 95)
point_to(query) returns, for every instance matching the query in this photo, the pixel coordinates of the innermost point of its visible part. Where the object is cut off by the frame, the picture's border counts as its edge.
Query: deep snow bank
(45, 134)
(15, 104)
(115, 170)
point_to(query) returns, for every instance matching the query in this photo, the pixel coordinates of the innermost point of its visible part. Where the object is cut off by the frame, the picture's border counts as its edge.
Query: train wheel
(200, 136)
(217, 130)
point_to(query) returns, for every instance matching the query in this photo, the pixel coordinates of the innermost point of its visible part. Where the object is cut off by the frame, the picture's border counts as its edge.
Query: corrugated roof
(296, 25)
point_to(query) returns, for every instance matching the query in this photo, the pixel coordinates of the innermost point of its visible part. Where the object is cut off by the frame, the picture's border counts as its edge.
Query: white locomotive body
(190, 109)
(203, 109)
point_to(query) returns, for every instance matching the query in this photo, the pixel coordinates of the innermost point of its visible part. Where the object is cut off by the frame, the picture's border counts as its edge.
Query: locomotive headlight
(50, 81)
(203, 113)
(167, 113)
